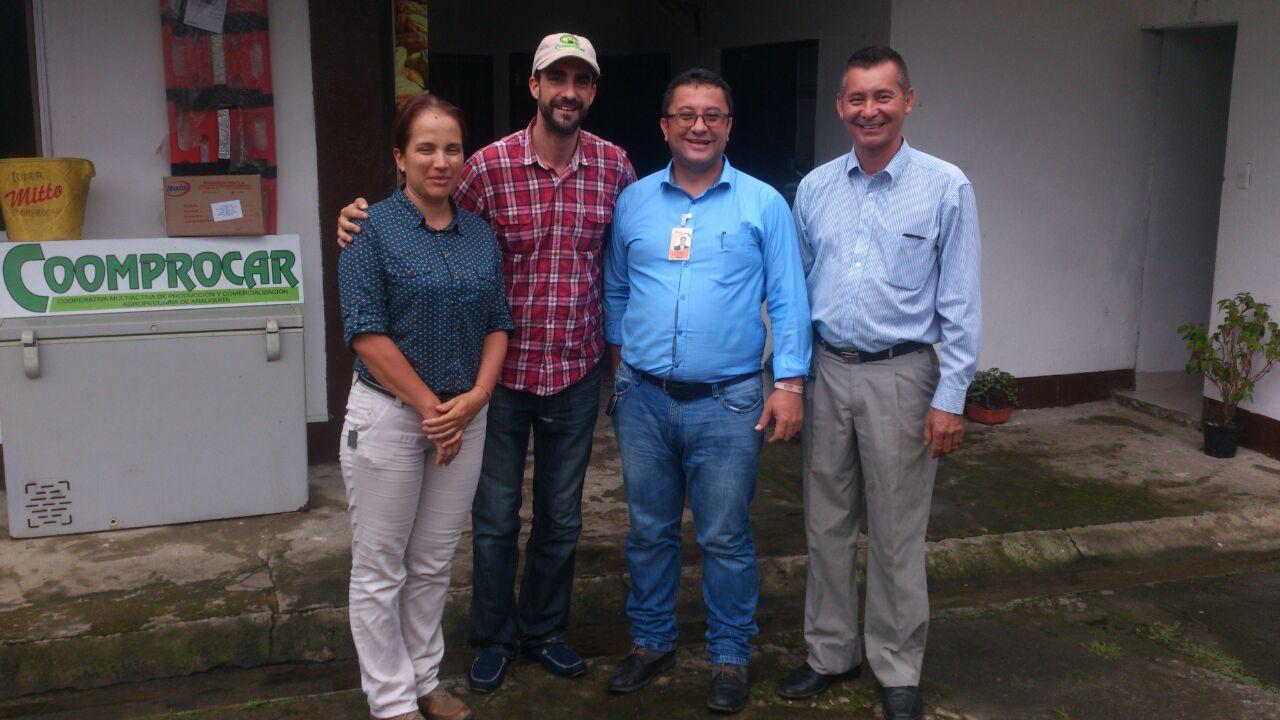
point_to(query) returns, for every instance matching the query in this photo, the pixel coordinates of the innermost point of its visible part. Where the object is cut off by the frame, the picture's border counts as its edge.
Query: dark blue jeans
(562, 427)
(707, 450)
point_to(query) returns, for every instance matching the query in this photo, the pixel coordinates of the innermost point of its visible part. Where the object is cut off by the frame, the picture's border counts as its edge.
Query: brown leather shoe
(440, 704)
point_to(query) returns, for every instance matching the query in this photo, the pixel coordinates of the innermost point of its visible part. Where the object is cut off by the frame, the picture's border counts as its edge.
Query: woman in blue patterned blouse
(424, 310)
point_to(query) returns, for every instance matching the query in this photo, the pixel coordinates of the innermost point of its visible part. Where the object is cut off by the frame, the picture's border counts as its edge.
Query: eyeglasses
(686, 118)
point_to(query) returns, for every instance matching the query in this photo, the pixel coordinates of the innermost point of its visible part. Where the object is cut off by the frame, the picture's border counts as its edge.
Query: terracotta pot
(1221, 441)
(987, 416)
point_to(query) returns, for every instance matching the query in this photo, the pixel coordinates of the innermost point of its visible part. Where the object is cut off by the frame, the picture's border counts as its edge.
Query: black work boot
(730, 687)
(805, 682)
(640, 666)
(903, 703)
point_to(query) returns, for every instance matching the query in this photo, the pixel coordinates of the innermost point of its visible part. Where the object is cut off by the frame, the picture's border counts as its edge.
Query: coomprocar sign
(92, 276)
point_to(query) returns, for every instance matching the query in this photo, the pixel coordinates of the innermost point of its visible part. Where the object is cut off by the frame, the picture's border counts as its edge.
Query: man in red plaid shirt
(548, 192)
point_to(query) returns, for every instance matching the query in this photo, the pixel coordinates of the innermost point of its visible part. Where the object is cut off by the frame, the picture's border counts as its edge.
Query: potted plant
(1227, 358)
(991, 397)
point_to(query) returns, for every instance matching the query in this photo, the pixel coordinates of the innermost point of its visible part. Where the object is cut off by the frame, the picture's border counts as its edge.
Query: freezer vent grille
(48, 503)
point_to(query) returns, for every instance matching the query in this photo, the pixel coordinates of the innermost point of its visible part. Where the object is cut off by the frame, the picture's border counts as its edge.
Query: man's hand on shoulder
(347, 228)
(786, 410)
(944, 431)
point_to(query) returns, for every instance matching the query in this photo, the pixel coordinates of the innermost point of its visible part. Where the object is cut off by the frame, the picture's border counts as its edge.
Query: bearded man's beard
(557, 125)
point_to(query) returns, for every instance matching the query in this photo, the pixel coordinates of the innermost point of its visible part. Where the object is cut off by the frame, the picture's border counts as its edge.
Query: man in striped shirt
(889, 240)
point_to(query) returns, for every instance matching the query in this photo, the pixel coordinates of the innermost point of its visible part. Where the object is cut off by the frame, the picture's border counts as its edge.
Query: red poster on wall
(217, 69)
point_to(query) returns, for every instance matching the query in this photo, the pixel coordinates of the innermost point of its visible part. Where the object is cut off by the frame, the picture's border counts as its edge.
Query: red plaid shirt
(552, 235)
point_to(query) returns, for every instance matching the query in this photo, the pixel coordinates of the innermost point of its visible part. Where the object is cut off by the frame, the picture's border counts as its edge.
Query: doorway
(775, 100)
(1188, 151)
(466, 81)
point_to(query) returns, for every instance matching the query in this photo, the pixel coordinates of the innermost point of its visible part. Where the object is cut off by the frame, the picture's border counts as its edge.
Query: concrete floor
(1180, 650)
(1176, 392)
(89, 610)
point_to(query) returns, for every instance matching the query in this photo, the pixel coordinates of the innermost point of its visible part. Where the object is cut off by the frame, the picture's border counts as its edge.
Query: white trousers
(406, 518)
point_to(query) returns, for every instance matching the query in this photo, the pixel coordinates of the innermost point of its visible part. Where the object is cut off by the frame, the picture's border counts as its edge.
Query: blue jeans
(562, 426)
(707, 449)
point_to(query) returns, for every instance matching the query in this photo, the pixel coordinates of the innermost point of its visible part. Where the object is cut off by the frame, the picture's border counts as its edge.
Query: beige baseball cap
(562, 45)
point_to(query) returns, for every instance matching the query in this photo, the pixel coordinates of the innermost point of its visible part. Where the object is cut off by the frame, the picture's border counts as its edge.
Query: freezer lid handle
(273, 341)
(30, 354)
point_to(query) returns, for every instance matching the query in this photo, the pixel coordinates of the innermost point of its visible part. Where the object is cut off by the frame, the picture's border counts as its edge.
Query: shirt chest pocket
(589, 229)
(737, 254)
(408, 271)
(517, 231)
(909, 258)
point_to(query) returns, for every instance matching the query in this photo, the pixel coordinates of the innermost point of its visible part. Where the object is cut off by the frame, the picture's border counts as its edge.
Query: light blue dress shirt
(895, 258)
(698, 320)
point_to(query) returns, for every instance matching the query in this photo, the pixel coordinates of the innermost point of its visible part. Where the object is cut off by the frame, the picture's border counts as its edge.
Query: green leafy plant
(993, 388)
(1227, 356)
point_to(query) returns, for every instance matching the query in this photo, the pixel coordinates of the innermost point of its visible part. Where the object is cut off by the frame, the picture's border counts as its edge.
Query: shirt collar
(416, 215)
(728, 174)
(583, 154)
(894, 169)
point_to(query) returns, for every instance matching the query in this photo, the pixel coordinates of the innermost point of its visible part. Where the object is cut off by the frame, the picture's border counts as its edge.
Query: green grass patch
(1103, 649)
(1207, 656)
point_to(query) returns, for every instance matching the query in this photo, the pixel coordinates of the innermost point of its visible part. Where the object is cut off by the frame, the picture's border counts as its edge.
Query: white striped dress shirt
(895, 258)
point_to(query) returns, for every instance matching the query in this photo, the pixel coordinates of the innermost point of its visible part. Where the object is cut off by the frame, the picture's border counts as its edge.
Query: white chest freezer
(122, 420)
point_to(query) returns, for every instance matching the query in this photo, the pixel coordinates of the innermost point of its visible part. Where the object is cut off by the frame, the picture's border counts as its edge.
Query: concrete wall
(1186, 189)
(1048, 107)
(103, 75)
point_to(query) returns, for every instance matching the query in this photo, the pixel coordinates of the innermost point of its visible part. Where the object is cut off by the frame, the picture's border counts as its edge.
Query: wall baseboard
(1043, 391)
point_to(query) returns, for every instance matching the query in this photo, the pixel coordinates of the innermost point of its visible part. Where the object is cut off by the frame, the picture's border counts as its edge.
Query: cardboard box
(213, 205)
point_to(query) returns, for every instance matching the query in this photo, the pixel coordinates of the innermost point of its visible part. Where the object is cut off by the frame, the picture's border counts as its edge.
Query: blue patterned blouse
(435, 293)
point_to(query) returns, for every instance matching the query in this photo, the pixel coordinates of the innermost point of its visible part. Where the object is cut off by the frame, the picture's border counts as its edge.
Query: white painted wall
(1044, 106)
(1047, 105)
(103, 74)
(1186, 189)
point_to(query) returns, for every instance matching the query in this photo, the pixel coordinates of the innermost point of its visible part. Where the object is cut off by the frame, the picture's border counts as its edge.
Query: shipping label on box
(205, 205)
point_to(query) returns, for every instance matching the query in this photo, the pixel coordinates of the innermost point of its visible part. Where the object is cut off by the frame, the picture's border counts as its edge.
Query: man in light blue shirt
(889, 237)
(695, 250)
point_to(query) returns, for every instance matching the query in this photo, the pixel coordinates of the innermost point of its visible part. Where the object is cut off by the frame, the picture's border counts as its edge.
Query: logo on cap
(569, 42)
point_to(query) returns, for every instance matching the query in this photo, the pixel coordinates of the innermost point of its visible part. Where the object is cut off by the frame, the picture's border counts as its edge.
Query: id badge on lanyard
(681, 239)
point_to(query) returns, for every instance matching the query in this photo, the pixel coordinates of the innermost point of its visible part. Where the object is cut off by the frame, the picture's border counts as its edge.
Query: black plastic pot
(1221, 441)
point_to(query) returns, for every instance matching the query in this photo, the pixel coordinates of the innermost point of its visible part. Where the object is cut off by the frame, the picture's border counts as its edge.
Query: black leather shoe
(640, 666)
(730, 687)
(903, 703)
(805, 682)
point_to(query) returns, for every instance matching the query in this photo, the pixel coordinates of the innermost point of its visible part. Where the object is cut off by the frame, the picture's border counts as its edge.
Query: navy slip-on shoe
(558, 659)
(488, 670)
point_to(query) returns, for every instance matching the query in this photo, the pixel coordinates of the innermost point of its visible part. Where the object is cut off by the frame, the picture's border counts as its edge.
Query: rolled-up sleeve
(786, 295)
(499, 312)
(360, 286)
(617, 286)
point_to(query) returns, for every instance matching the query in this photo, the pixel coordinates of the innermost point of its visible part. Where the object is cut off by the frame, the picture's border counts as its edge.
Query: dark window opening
(18, 136)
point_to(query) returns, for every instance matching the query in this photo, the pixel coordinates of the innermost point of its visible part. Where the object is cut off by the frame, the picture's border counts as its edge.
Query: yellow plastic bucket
(43, 198)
